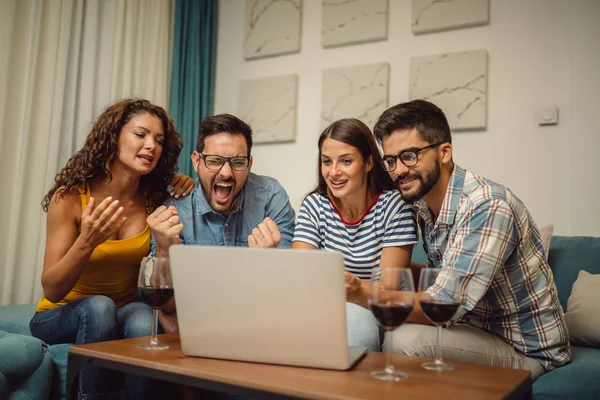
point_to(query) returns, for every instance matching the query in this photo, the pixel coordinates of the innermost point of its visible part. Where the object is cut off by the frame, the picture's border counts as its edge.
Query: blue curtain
(193, 71)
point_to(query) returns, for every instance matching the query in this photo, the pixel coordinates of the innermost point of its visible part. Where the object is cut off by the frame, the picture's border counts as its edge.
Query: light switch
(547, 115)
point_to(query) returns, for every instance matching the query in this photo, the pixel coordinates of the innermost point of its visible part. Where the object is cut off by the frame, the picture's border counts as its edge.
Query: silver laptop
(263, 305)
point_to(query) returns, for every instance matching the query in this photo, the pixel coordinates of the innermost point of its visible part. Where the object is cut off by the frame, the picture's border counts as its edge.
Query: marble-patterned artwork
(350, 22)
(439, 15)
(355, 92)
(455, 82)
(272, 28)
(268, 105)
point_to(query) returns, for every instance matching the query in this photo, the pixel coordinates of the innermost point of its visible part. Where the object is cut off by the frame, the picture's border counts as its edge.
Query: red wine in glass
(156, 289)
(438, 311)
(391, 301)
(391, 314)
(156, 296)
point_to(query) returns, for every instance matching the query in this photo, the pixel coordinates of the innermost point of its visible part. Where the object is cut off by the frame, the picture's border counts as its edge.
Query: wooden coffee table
(468, 381)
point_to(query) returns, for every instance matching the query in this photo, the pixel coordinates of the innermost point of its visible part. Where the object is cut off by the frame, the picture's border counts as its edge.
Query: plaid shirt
(487, 240)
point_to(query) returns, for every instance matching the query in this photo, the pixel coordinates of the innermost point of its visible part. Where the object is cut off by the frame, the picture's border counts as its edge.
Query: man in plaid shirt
(484, 236)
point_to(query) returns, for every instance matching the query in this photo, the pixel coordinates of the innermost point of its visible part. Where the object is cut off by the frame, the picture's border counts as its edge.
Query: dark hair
(353, 132)
(223, 123)
(429, 121)
(94, 159)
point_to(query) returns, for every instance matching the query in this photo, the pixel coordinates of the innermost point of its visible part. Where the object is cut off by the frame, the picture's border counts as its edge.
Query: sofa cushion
(579, 379)
(567, 256)
(15, 318)
(38, 384)
(546, 232)
(583, 316)
(20, 355)
(418, 255)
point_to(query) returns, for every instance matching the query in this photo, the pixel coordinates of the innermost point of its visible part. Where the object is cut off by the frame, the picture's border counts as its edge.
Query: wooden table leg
(75, 364)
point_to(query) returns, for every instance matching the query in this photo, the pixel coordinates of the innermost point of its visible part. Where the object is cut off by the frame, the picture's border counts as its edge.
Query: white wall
(584, 54)
(541, 52)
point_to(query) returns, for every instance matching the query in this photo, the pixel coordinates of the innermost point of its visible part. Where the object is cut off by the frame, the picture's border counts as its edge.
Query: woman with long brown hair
(357, 211)
(97, 233)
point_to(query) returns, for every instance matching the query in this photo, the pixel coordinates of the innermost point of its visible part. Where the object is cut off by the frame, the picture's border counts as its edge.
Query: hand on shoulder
(181, 185)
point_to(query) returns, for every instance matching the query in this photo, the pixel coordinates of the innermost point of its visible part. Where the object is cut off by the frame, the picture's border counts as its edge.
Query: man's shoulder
(185, 202)
(478, 190)
(263, 183)
(481, 196)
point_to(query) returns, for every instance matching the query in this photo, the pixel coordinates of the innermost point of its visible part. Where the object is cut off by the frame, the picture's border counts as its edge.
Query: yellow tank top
(112, 269)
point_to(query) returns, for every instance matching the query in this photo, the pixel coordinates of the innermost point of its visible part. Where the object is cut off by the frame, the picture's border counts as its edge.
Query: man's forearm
(162, 252)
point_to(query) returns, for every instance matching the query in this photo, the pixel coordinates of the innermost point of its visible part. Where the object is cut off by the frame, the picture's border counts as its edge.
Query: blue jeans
(96, 319)
(363, 328)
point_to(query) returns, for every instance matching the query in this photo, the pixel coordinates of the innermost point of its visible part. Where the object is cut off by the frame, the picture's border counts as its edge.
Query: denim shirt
(261, 197)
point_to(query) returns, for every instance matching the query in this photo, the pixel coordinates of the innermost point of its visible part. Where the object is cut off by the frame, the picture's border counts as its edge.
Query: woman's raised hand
(98, 223)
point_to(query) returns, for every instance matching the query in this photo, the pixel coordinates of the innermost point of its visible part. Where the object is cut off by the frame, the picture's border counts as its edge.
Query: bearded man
(487, 241)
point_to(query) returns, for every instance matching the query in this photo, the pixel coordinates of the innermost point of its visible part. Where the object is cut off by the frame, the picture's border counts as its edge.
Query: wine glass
(391, 301)
(156, 289)
(439, 310)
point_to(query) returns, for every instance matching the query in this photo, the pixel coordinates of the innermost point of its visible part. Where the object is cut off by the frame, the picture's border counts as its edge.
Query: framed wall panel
(355, 92)
(455, 82)
(268, 105)
(435, 15)
(273, 27)
(351, 22)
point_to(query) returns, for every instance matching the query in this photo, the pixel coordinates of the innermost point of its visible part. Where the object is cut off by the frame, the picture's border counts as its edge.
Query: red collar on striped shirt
(361, 218)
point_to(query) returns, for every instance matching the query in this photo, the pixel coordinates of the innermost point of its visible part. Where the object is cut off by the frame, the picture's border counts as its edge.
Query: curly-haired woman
(97, 233)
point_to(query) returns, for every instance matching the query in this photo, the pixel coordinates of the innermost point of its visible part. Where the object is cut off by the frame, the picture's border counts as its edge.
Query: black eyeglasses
(410, 158)
(239, 163)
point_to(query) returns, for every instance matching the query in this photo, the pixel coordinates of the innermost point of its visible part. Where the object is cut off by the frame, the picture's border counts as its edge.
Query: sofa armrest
(15, 318)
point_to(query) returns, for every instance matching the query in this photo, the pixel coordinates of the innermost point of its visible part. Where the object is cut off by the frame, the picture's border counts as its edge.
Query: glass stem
(438, 356)
(153, 338)
(389, 367)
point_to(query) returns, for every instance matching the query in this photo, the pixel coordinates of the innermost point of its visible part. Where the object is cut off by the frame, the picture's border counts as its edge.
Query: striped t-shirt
(388, 222)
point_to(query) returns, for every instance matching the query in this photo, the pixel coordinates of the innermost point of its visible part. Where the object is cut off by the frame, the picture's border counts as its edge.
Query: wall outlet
(547, 115)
